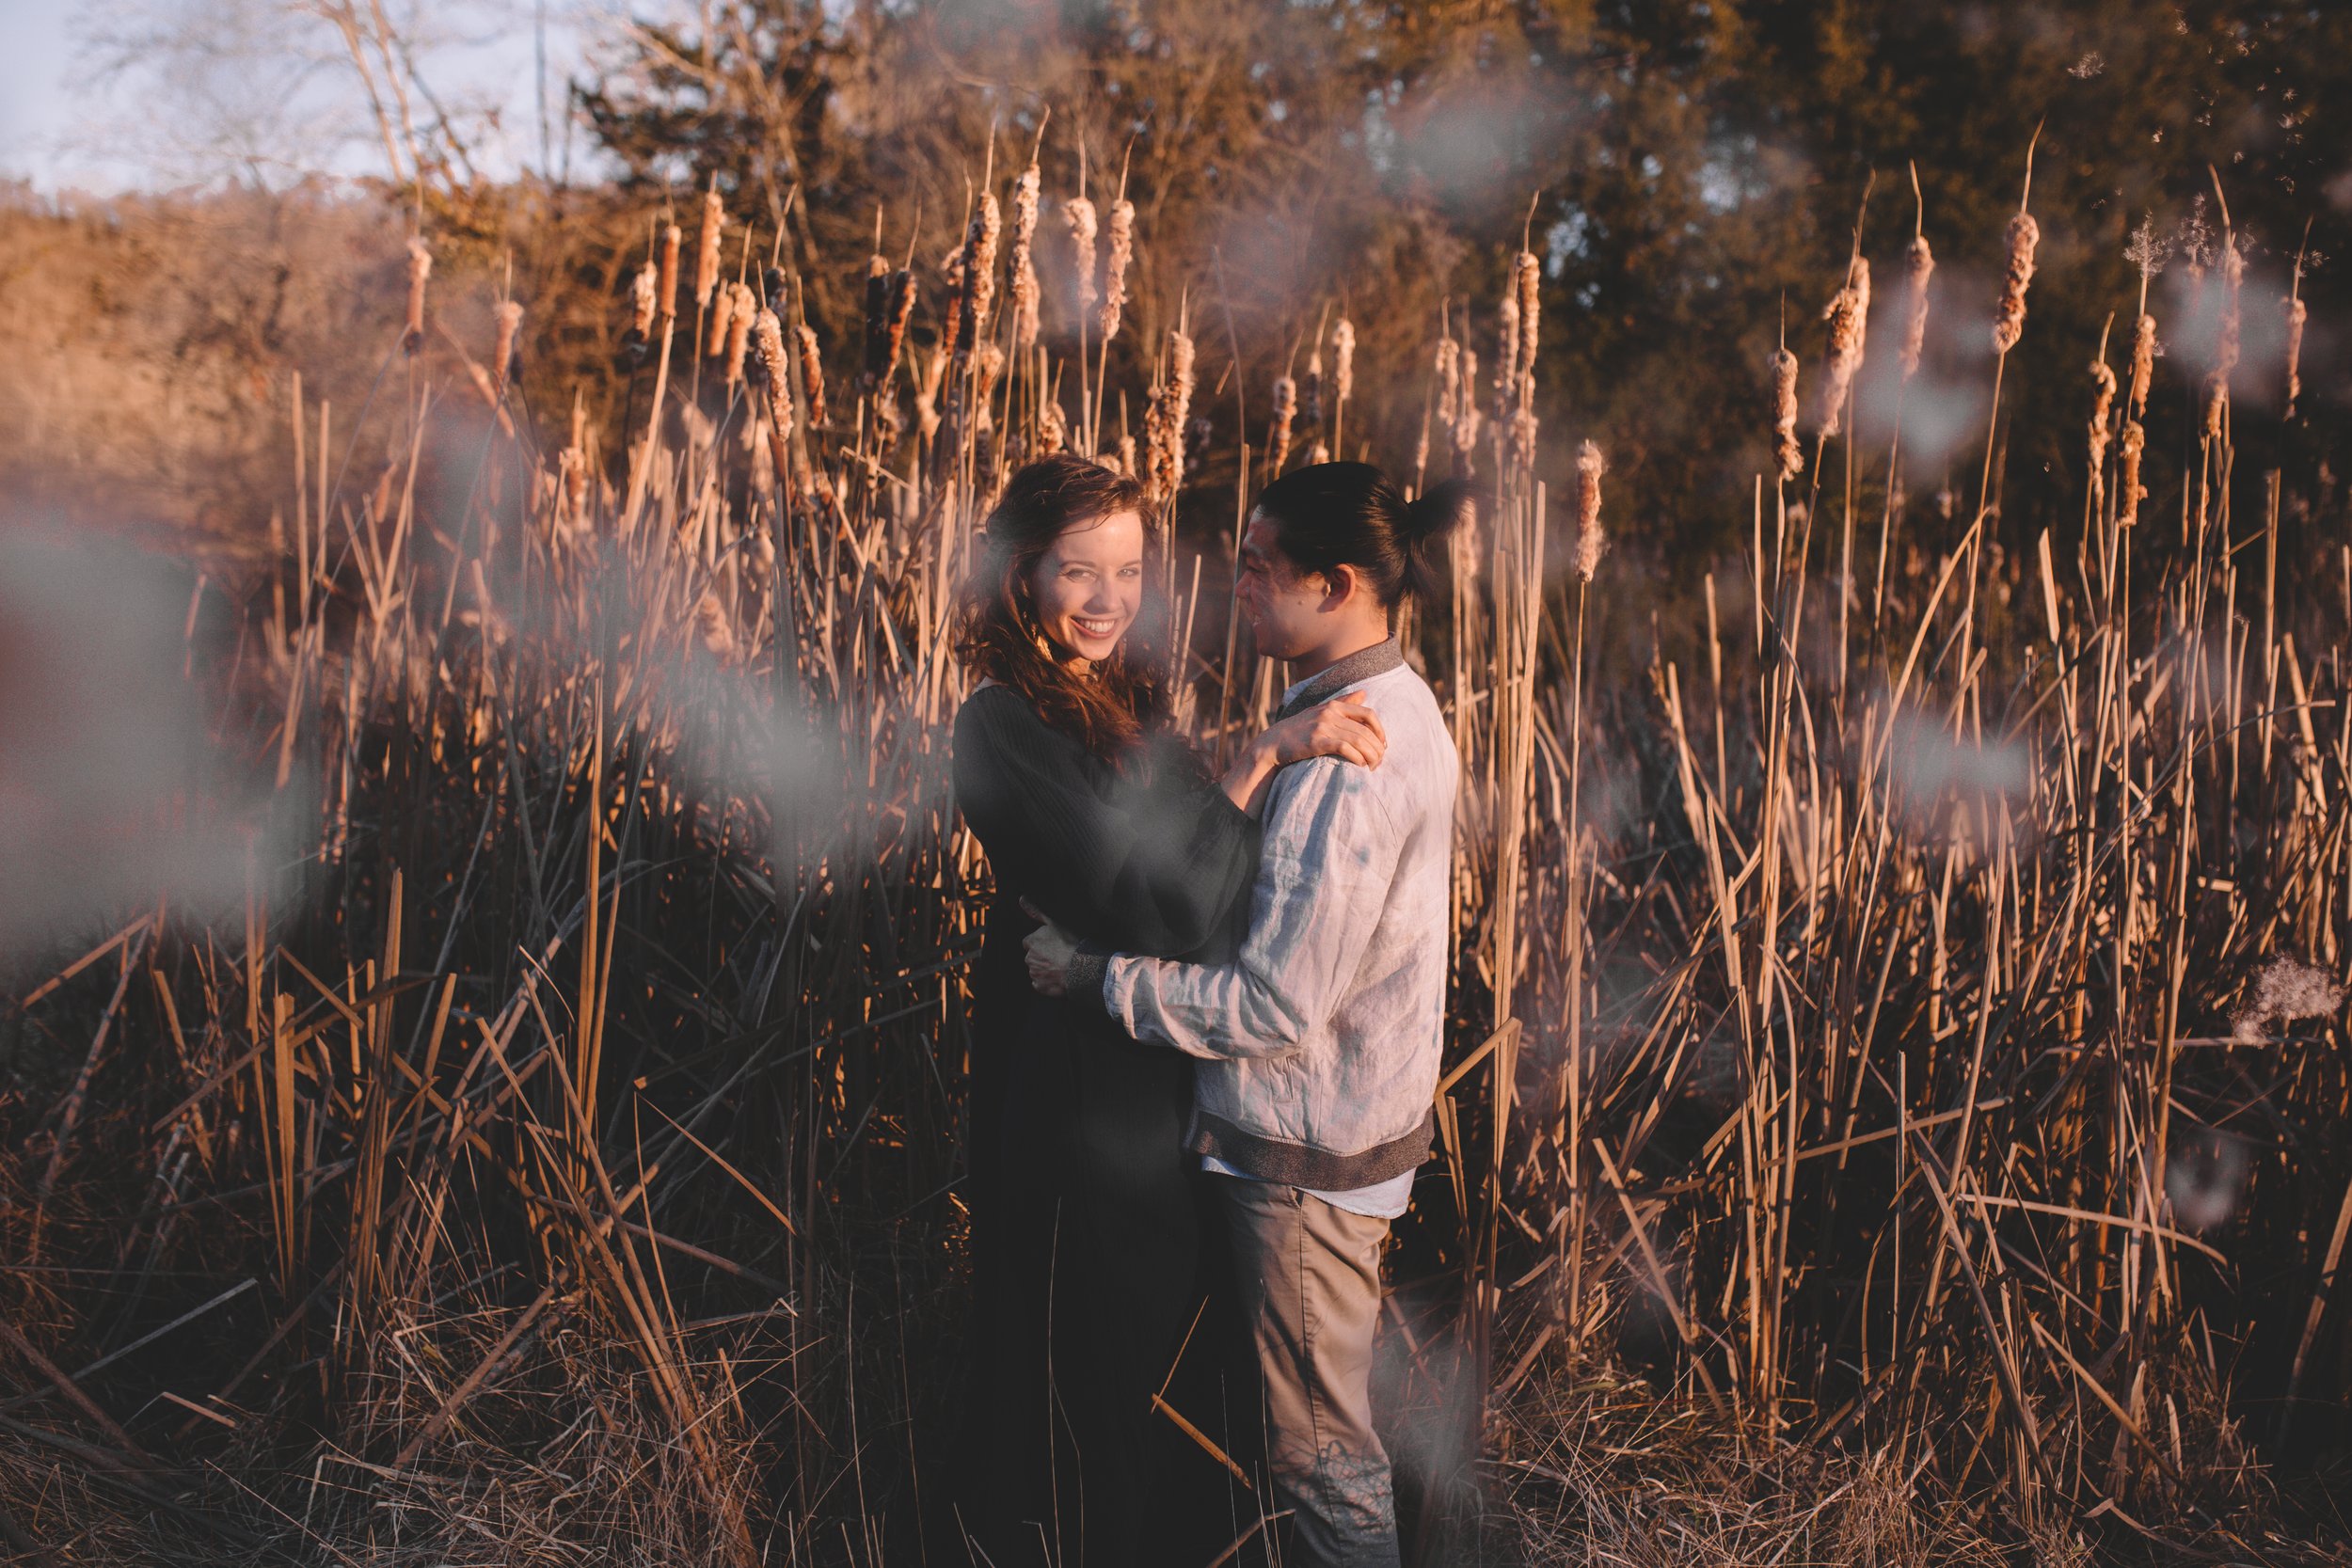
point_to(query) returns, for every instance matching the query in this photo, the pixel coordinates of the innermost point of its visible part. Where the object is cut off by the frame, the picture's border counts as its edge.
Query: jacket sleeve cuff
(1082, 977)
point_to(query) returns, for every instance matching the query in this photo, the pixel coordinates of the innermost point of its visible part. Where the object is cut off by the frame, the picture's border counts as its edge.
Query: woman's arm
(1345, 727)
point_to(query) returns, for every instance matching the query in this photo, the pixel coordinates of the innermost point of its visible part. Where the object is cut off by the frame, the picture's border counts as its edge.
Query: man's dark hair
(1334, 514)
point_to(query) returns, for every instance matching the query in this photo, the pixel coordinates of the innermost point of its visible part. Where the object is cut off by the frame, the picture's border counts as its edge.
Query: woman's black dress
(1087, 1214)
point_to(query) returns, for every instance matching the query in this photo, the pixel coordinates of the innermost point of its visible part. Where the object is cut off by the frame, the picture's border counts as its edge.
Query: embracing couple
(1207, 1023)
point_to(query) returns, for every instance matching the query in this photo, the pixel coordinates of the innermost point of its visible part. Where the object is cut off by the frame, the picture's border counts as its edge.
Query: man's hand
(1050, 949)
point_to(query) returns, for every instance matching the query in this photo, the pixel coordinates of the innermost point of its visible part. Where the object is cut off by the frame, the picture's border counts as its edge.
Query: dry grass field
(1896, 1098)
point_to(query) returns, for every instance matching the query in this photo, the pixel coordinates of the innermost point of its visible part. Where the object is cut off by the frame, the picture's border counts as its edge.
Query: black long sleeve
(1150, 864)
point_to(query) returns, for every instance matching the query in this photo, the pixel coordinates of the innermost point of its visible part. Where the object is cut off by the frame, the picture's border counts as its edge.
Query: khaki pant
(1308, 1278)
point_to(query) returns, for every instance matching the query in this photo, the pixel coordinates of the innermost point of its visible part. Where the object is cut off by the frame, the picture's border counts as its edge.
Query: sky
(107, 95)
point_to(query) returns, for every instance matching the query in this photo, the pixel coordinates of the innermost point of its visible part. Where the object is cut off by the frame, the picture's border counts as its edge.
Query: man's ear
(1342, 584)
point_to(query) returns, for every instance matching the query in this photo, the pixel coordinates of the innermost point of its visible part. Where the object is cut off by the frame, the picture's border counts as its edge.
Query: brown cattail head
(1024, 285)
(2127, 488)
(741, 307)
(951, 269)
(510, 320)
(1278, 446)
(2008, 322)
(767, 342)
(1310, 391)
(1466, 417)
(1506, 352)
(641, 296)
(980, 271)
(987, 363)
(1786, 451)
(1120, 250)
(1849, 317)
(671, 237)
(2295, 314)
(1343, 363)
(1053, 429)
(1077, 216)
(722, 321)
(2102, 405)
(2226, 348)
(1588, 536)
(812, 375)
(1920, 267)
(901, 310)
(420, 268)
(2144, 363)
(1528, 287)
(877, 323)
(707, 248)
(1163, 423)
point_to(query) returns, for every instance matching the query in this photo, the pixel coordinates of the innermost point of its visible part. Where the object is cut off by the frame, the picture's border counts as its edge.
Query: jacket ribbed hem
(1304, 1165)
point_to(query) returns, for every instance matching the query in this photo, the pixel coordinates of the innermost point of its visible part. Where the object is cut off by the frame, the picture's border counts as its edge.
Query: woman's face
(1089, 585)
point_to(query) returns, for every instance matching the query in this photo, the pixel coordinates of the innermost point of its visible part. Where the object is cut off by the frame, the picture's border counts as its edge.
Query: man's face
(1285, 605)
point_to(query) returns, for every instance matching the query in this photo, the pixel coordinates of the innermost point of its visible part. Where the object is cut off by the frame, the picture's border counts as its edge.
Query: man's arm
(1329, 853)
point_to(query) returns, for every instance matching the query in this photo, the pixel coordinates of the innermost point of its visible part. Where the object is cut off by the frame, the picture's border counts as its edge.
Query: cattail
(1024, 286)
(901, 310)
(1126, 460)
(768, 340)
(1164, 419)
(951, 320)
(1507, 353)
(2143, 362)
(722, 321)
(2008, 323)
(1122, 251)
(812, 375)
(1448, 370)
(2102, 403)
(706, 248)
(1466, 417)
(420, 268)
(2226, 349)
(2127, 488)
(1310, 391)
(1785, 448)
(1053, 429)
(1849, 318)
(2296, 313)
(1588, 535)
(1342, 363)
(671, 237)
(1077, 216)
(741, 308)
(1278, 446)
(877, 322)
(1523, 422)
(642, 298)
(510, 320)
(979, 272)
(710, 622)
(1922, 265)
(1528, 279)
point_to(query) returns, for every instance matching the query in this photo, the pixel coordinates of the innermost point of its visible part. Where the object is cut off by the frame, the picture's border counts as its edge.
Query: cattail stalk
(1024, 285)
(2008, 322)
(1849, 316)
(1786, 451)
(1589, 540)
(2226, 349)
(420, 268)
(706, 248)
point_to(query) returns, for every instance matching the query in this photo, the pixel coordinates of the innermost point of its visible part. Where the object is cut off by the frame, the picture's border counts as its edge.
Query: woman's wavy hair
(1000, 637)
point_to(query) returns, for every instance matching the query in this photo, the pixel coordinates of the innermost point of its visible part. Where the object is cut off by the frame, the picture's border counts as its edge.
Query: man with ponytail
(1318, 1041)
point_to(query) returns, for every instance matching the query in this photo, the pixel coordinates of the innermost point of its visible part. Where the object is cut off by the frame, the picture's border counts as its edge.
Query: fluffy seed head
(1023, 286)
(980, 271)
(1589, 542)
(1466, 417)
(740, 308)
(2226, 350)
(1278, 447)
(812, 375)
(510, 320)
(1527, 277)
(420, 268)
(2286, 990)
(1077, 216)
(1342, 361)
(2143, 361)
(2128, 492)
(722, 320)
(1164, 422)
(1920, 267)
(1849, 316)
(1122, 251)
(2009, 323)
(671, 237)
(642, 297)
(1786, 451)
(767, 342)
(1052, 428)
(2295, 313)
(2101, 401)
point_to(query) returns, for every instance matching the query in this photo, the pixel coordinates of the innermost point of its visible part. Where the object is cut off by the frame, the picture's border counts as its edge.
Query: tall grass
(1846, 1098)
